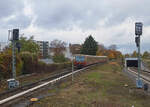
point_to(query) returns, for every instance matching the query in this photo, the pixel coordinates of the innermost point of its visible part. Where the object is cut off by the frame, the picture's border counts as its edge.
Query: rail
(41, 85)
(146, 79)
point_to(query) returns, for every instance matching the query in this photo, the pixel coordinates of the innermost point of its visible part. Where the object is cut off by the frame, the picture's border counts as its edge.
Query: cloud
(109, 21)
(86, 14)
(64, 14)
(9, 7)
(12, 14)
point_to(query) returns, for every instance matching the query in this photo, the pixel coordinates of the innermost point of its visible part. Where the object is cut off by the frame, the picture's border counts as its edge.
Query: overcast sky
(109, 21)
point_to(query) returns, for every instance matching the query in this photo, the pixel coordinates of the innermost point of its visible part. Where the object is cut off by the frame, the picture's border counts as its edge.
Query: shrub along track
(42, 71)
(39, 84)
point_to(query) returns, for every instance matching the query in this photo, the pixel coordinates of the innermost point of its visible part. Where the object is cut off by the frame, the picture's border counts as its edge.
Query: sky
(108, 21)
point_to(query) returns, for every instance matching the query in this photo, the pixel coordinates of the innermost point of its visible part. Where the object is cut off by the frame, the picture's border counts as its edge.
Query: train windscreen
(80, 58)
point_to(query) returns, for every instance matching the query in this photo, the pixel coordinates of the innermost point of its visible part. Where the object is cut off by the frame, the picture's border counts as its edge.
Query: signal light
(138, 28)
(15, 34)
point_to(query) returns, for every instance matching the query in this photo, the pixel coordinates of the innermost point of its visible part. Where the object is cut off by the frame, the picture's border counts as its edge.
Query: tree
(101, 50)
(58, 46)
(134, 54)
(28, 45)
(146, 54)
(127, 55)
(30, 60)
(59, 58)
(6, 64)
(75, 48)
(90, 46)
(118, 54)
(111, 55)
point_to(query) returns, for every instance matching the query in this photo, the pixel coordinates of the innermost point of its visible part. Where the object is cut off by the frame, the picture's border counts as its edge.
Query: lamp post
(138, 33)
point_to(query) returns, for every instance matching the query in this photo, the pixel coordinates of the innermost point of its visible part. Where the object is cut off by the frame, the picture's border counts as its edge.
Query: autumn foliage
(6, 64)
(111, 53)
(26, 61)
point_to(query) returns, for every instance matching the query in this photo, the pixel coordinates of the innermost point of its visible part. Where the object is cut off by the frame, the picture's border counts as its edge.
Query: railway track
(40, 84)
(143, 72)
(146, 79)
(30, 85)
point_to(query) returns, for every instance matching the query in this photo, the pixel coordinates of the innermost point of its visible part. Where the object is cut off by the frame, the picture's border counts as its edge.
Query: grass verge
(100, 86)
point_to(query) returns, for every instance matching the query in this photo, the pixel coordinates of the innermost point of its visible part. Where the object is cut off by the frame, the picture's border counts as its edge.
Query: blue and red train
(84, 60)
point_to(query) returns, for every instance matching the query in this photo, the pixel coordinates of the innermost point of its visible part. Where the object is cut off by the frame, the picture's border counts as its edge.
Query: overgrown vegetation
(30, 62)
(60, 58)
(6, 64)
(58, 46)
(27, 60)
(111, 52)
(27, 63)
(28, 45)
(101, 86)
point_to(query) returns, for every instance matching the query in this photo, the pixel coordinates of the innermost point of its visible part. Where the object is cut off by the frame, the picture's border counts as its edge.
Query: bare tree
(134, 54)
(101, 47)
(75, 48)
(113, 47)
(58, 46)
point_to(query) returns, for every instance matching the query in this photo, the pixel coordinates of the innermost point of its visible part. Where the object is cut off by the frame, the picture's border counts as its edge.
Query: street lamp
(138, 33)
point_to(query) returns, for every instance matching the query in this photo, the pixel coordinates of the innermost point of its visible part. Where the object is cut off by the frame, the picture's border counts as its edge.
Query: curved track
(51, 81)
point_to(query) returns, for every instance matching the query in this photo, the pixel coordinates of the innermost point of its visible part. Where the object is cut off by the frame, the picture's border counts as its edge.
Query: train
(81, 61)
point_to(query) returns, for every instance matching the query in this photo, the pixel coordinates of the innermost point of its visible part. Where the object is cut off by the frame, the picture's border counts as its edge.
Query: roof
(90, 56)
(131, 58)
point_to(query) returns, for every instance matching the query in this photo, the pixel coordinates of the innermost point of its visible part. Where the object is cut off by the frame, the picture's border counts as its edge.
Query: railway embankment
(47, 71)
(102, 85)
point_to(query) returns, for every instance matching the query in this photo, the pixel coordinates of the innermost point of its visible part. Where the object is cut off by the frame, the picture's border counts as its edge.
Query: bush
(30, 62)
(2, 73)
(19, 66)
(6, 64)
(59, 58)
(43, 67)
(27, 63)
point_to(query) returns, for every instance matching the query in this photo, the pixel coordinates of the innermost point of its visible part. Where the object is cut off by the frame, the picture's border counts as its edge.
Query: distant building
(75, 48)
(44, 48)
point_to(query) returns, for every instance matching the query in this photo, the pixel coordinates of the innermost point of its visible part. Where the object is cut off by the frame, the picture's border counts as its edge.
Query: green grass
(101, 86)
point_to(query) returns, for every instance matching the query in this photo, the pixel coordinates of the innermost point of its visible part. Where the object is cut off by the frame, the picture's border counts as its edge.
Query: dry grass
(101, 86)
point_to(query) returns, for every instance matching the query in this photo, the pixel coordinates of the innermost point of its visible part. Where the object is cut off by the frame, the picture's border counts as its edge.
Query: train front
(79, 61)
